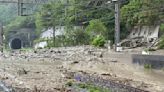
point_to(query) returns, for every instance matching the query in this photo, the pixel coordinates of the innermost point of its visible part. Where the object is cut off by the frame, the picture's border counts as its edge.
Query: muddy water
(155, 75)
(136, 72)
(4, 88)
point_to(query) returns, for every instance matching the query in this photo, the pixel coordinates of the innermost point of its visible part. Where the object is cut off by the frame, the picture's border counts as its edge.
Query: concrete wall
(156, 61)
(48, 34)
(26, 35)
(59, 30)
(145, 31)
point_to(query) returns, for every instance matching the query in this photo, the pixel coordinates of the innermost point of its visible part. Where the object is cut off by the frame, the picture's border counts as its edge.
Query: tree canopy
(143, 12)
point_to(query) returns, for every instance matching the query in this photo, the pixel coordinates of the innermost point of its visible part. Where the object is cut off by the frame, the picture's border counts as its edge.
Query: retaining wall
(156, 61)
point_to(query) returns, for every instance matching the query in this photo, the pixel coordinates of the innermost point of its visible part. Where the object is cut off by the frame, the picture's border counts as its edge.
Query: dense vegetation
(143, 12)
(100, 20)
(94, 20)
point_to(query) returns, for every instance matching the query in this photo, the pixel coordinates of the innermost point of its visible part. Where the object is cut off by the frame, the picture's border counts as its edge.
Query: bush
(162, 27)
(149, 49)
(96, 27)
(78, 37)
(98, 41)
(70, 83)
(161, 43)
(93, 88)
(148, 66)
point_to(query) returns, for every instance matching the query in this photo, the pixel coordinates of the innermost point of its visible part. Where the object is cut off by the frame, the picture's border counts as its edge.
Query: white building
(48, 34)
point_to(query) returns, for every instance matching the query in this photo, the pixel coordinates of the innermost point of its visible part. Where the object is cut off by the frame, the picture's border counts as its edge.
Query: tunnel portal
(16, 44)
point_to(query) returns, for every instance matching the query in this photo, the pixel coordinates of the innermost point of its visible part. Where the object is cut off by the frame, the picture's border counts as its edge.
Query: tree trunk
(54, 36)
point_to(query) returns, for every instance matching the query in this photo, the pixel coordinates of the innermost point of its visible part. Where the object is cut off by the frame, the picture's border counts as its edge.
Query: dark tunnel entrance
(16, 44)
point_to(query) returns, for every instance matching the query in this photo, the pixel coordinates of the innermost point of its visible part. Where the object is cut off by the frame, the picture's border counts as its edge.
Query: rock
(51, 51)
(58, 51)
(106, 74)
(115, 61)
(58, 89)
(37, 72)
(90, 52)
(75, 62)
(22, 72)
(93, 59)
(5, 78)
(36, 89)
(101, 55)
(35, 51)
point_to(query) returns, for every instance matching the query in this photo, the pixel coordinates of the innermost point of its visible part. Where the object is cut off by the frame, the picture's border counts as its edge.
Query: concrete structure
(154, 61)
(149, 33)
(48, 34)
(142, 36)
(21, 38)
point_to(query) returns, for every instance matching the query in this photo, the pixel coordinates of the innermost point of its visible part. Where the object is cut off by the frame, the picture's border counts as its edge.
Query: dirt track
(46, 69)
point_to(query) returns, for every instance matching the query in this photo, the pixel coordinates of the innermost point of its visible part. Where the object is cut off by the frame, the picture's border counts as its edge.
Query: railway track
(105, 83)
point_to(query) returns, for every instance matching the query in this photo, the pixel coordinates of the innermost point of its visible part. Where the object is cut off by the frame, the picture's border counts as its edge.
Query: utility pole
(19, 7)
(1, 37)
(117, 23)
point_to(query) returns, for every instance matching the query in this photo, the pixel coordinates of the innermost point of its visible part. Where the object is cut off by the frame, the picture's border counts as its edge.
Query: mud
(46, 70)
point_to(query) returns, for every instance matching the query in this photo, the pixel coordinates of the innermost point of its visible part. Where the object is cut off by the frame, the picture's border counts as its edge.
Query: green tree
(142, 12)
(98, 41)
(19, 22)
(78, 37)
(96, 27)
(50, 16)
